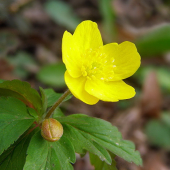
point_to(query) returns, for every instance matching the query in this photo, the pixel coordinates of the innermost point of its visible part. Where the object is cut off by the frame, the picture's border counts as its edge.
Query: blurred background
(30, 50)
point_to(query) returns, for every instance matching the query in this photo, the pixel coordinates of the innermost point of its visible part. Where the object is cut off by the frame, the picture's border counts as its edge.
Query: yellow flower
(95, 72)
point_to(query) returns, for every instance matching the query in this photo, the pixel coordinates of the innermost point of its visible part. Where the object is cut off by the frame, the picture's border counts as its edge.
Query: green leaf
(154, 42)
(125, 104)
(158, 131)
(8, 41)
(44, 100)
(1, 80)
(49, 155)
(165, 117)
(82, 143)
(52, 75)
(21, 23)
(33, 113)
(62, 13)
(58, 113)
(52, 97)
(22, 91)
(14, 121)
(97, 136)
(23, 63)
(162, 75)
(14, 157)
(101, 165)
(108, 20)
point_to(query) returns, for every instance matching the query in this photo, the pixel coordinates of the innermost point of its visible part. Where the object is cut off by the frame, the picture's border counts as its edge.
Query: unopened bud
(51, 130)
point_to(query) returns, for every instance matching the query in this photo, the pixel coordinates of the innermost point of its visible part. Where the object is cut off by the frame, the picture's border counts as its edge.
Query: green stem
(58, 102)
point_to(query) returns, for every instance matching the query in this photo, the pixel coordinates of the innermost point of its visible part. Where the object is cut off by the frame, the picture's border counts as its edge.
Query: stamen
(97, 65)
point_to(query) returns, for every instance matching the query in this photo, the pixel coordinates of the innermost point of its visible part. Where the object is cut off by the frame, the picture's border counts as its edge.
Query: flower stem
(58, 102)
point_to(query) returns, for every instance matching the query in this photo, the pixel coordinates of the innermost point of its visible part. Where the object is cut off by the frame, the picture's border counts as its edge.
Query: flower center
(96, 64)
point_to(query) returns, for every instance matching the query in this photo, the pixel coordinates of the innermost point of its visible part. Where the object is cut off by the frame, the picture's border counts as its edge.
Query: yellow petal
(109, 91)
(87, 36)
(76, 86)
(71, 55)
(124, 57)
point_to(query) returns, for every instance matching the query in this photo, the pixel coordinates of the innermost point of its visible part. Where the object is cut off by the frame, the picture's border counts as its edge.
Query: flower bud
(51, 130)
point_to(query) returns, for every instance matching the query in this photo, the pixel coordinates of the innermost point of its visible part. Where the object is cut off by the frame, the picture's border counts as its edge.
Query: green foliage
(101, 165)
(14, 18)
(97, 136)
(49, 155)
(161, 72)
(14, 121)
(1, 80)
(159, 127)
(23, 63)
(52, 96)
(154, 42)
(29, 150)
(108, 16)
(33, 113)
(62, 13)
(124, 104)
(8, 41)
(52, 75)
(58, 113)
(14, 157)
(22, 91)
(44, 100)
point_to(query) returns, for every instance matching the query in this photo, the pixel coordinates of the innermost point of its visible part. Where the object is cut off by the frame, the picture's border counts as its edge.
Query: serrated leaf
(154, 42)
(22, 91)
(82, 143)
(49, 155)
(14, 121)
(14, 157)
(87, 133)
(52, 97)
(62, 13)
(52, 75)
(101, 165)
(39, 152)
